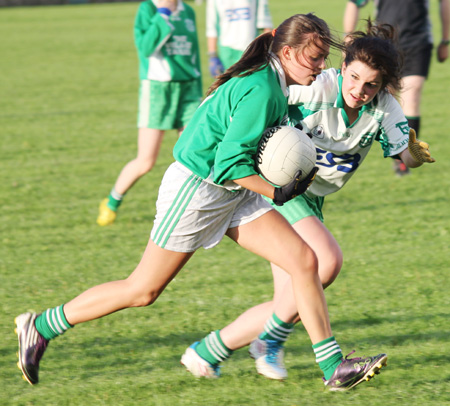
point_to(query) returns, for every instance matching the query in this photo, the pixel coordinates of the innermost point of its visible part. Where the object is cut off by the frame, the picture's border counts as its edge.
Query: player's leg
(268, 348)
(251, 323)
(155, 270)
(149, 144)
(410, 99)
(271, 237)
(263, 317)
(416, 67)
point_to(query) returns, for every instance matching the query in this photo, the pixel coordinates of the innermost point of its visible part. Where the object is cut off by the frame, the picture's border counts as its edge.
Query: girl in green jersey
(213, 190)
(165, 35)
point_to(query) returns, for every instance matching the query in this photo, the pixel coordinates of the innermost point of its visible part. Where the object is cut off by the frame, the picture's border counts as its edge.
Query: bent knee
(309, 260)
(145, 165)
(142, 298)
(330, 268)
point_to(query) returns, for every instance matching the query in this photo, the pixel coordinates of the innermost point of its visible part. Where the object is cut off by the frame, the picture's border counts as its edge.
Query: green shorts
(167, 105)
(229, 56)
(300, 207)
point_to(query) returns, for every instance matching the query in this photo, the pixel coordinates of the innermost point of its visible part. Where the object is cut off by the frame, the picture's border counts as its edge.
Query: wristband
(164, 10)
(445, 42)
(212, 54)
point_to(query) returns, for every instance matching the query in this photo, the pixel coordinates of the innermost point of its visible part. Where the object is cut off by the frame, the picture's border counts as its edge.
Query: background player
(165, 35)
(230, 26)
(412, 21)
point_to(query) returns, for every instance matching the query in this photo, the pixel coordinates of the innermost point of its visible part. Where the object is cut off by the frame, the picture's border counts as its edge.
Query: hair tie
(274, 31)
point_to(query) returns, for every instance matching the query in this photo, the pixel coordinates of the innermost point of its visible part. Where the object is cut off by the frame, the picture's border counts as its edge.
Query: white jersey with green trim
(341, 147)
(167, 47)
(236, 22)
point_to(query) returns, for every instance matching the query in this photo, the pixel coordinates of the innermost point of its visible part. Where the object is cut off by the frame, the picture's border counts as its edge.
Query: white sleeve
(263, 16)
(394, 125)
(211, 19)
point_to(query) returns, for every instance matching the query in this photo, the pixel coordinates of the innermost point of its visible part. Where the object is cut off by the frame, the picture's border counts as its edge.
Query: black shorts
(416, 61)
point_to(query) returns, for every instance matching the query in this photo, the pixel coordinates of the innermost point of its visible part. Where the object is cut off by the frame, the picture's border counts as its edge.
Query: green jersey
(221, 140)
(167, 46)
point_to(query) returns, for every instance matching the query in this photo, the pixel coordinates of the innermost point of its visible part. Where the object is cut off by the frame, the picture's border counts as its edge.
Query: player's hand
(215, 66)
(294, 188)
(170, 4)
(300, 127)
(442, 52)
(419, 150)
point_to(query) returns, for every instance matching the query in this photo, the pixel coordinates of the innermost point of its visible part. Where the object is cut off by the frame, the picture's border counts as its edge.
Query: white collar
(276, 66)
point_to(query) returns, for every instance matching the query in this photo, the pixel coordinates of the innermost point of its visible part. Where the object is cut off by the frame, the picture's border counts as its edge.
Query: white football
(282, 151)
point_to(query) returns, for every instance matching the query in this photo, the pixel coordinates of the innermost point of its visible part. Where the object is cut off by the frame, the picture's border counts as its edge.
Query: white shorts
(192, 213)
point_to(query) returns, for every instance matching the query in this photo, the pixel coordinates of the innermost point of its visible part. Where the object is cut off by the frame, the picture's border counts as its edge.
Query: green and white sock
(212, 348)
(328, 356)
(52, 323)
(276, 329)
(114, 200)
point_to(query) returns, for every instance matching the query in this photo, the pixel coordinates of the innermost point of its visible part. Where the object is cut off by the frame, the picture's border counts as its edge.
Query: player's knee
(309, 261)
(330, 270)
(141, 297)
(145, 165)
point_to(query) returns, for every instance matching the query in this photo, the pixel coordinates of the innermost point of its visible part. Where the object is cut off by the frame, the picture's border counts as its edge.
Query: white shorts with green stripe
(192, 213)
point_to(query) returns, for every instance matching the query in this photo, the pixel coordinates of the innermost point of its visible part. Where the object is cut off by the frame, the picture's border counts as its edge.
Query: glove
(294, 188)
(419, 149)
(215, 66)
(300, 127)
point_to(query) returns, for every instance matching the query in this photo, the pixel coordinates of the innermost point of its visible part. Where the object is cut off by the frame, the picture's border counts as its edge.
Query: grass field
(68, 95)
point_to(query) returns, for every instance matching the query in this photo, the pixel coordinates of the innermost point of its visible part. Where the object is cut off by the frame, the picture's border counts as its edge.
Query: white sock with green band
(328, 356)
(276, 329)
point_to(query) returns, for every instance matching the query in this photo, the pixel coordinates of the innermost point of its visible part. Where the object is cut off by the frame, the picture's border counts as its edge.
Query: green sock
(328, 356)
(212, 348)
(276, 329)
(52, 323)
(114, 200)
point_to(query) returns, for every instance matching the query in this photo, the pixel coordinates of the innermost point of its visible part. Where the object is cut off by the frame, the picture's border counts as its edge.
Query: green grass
(68, 104)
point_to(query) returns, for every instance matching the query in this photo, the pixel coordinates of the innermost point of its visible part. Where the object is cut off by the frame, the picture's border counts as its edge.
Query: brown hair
(377, 49)
(298, 31)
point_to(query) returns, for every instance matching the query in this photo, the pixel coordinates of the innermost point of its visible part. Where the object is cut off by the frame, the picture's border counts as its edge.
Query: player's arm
(351, 17)
(279, 195)
(151, 29)
(256, 184)
(444, 10)
(215, 64)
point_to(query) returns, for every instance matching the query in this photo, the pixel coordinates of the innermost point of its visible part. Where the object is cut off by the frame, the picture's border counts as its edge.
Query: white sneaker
(198, 366)
(268, 356)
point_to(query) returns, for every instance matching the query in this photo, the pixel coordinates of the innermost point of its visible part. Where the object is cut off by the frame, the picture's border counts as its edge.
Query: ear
(343, 68)
(287, 52)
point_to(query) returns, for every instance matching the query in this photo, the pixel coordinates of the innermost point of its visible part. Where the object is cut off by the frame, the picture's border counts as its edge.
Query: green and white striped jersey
(221, 140)
(341, 147)
(167, 47)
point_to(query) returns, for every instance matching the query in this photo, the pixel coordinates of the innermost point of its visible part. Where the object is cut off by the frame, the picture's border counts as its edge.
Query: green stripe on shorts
(176, 210)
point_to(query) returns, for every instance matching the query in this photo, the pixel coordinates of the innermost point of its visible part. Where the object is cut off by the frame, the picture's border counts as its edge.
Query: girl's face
(302, 68)
(360, 84)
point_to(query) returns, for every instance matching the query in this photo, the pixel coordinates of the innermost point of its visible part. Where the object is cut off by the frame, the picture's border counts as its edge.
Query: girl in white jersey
(213, 190)
(345, 112)
(230, 26)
